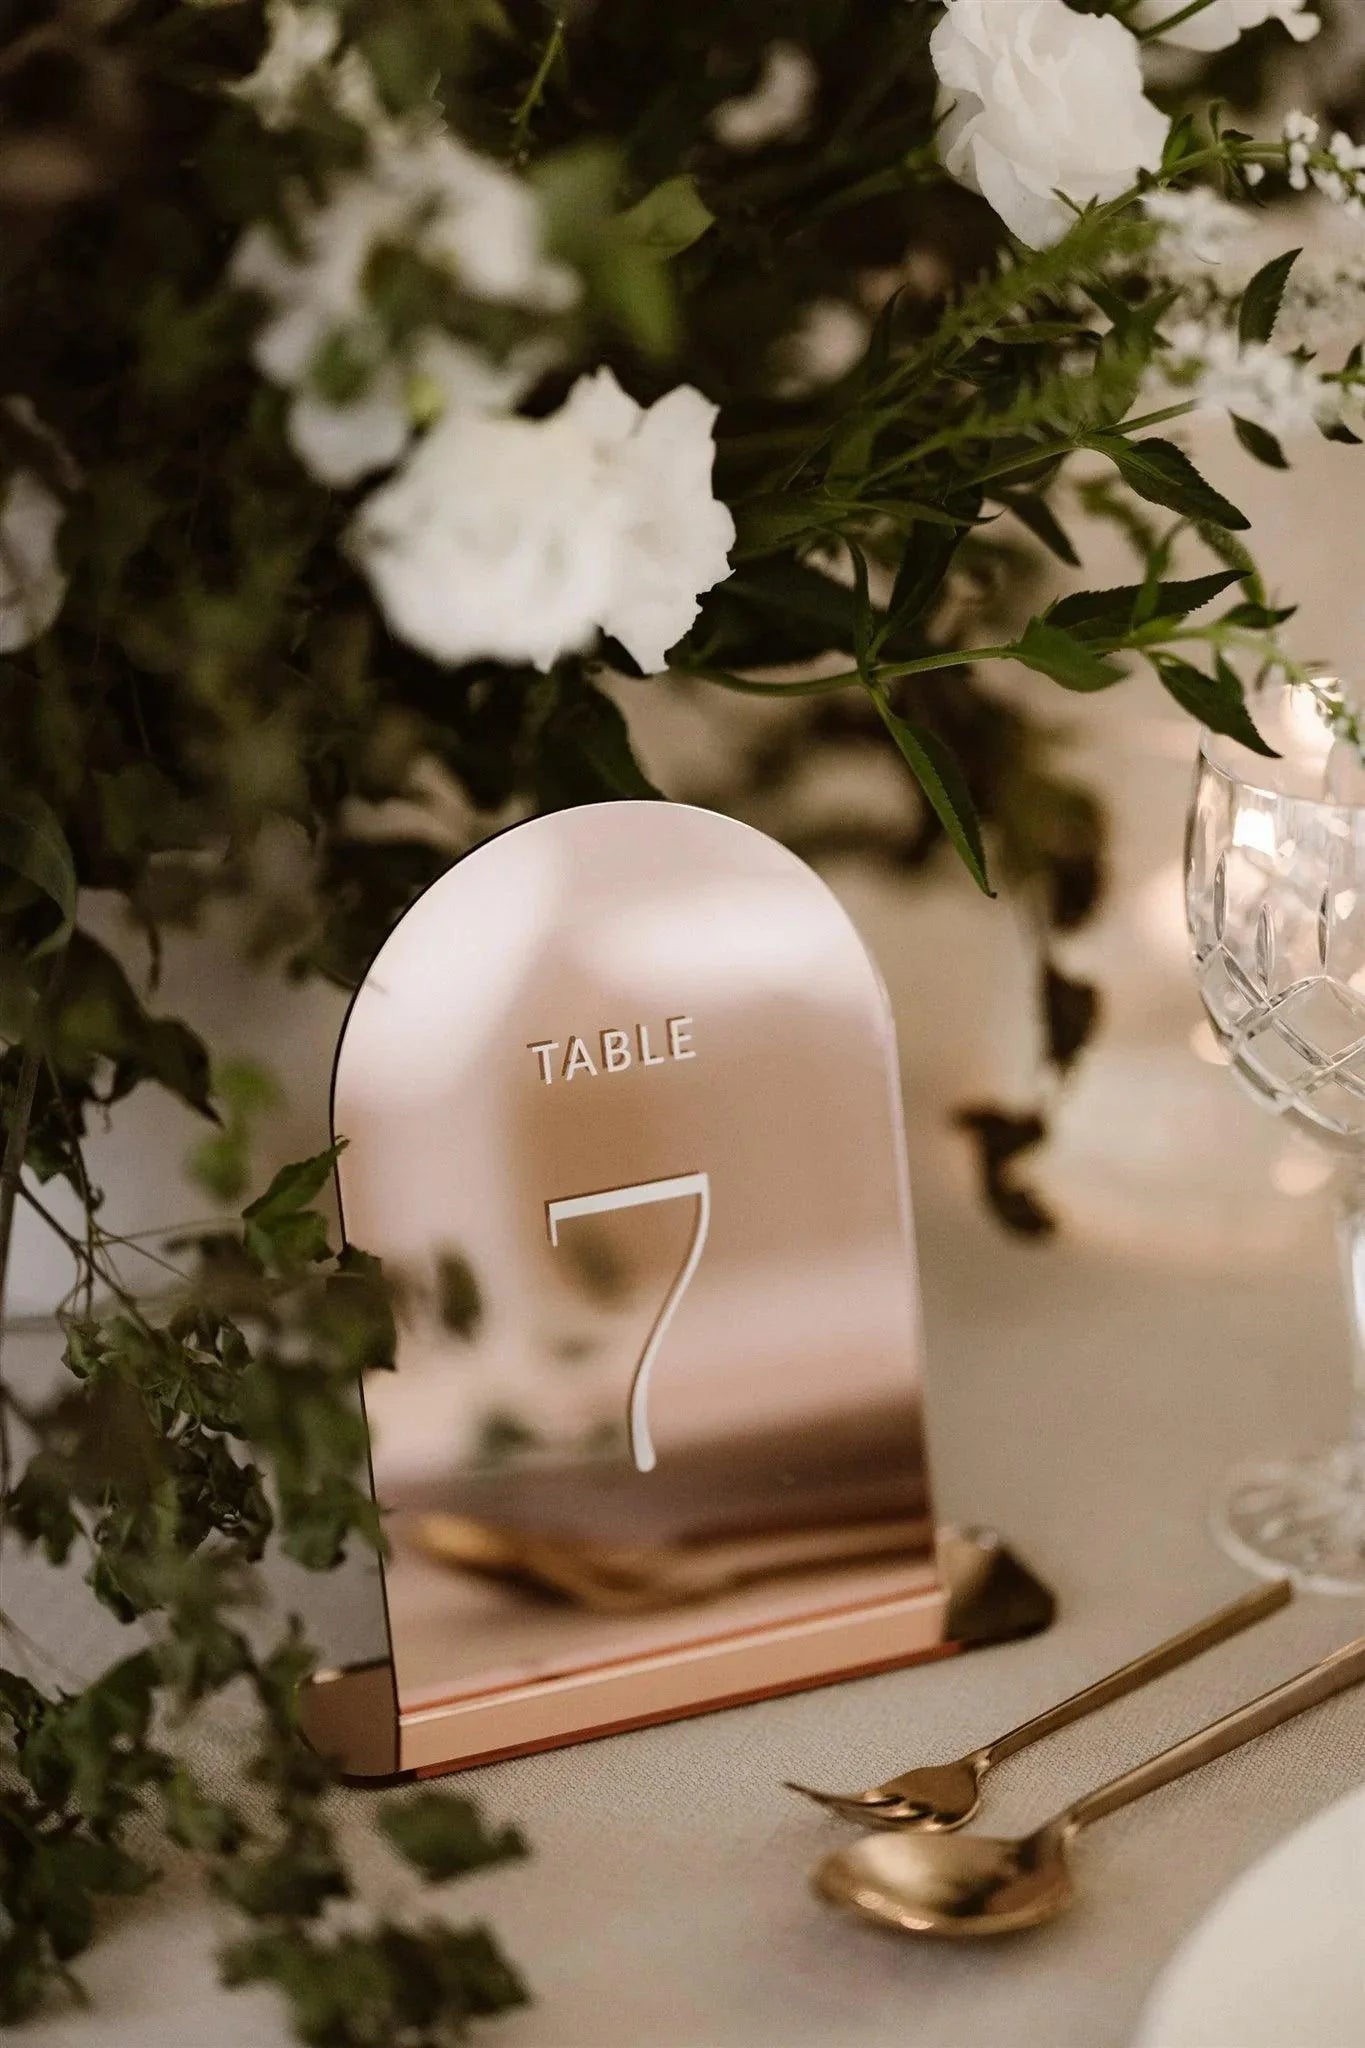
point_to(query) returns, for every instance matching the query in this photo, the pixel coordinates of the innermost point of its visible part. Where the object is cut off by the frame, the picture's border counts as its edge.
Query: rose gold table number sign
(622, 1116)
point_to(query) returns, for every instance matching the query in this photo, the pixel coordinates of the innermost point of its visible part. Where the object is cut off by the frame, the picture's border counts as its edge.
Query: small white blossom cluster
(302, 57)
(494, 537)
(1207, 361)
(1200, 231)
(461, 215)
(1337, 169)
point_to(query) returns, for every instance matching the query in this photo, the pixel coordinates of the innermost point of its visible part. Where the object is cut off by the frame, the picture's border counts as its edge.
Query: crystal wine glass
(1275, 897)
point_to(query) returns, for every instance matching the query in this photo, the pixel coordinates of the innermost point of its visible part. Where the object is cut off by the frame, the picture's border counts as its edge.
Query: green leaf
(292, 1882)
(1263, 297)
(1164, 475)
(1037, 515)
(98, 1016)
(1182, 140)
(443, 1836)
(1217, 701)
(928, 556)
(938, 774)
(1262, 618)
(584, 752)
(281, 1226)
(34, 847)
(294, 1187)
(669, 219)
(1260, 442)
(1109, 614)
(1052, 651)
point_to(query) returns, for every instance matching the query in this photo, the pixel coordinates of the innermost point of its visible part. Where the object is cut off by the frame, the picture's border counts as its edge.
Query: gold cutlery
(939, 1797)
(969, 1885)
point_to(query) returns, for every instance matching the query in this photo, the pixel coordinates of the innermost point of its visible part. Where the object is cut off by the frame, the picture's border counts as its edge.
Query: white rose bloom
(777, 106)
(1039, 100)
(32, 585)
(515, 540)
(676, 535)
(1221, 22)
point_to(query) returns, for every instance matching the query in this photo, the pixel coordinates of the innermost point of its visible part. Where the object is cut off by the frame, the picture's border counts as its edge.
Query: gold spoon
(968, 1885)
(942, 1796)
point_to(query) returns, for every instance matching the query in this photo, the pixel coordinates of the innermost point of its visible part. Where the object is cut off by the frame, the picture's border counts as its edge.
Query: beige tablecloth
(1087, 1403)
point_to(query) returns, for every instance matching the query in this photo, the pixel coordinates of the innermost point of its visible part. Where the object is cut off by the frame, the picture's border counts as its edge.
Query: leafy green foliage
(939, 776)
(1164, 475)
(1066, 657)
(444, 1836)
(1218, 701)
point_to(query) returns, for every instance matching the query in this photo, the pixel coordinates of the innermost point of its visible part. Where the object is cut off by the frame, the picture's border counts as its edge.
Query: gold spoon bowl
(965, 1886)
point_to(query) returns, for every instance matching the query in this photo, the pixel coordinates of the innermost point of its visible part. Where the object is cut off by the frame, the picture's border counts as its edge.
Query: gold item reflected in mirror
(964, 1886)
(939, 1797)
(619, 1579)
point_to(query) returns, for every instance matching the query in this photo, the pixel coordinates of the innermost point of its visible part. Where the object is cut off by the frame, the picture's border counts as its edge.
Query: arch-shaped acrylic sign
(622, 1117)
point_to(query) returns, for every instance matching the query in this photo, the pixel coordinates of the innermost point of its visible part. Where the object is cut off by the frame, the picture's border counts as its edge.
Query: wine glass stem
(1351, 1243)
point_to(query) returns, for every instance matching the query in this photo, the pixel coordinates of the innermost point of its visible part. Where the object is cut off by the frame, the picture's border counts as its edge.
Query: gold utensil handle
(1205, 1635)
(1344, 1668)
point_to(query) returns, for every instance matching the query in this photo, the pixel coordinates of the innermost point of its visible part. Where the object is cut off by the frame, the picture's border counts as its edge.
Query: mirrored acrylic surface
(623, 1121)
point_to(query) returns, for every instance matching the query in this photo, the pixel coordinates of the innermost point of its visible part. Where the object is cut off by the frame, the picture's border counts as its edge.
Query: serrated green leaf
(1217, 701)
(1069, 660)
(1037, 515)
(938, 774)
(1164, 475)
(1109, 614)
(1263, 297)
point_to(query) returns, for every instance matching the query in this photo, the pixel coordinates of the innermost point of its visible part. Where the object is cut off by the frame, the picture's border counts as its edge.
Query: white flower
(1220, 23)
(1250, 379)
(453, 208)
(776, 107)
(32, 584)
(301, 41)
(1041, 100)
(516, 540)
(458, 212)
(829, 338)
(1199, 230)
(341, 443)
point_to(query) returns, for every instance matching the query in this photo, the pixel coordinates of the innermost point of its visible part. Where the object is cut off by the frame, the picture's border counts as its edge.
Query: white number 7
(569, 1206)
